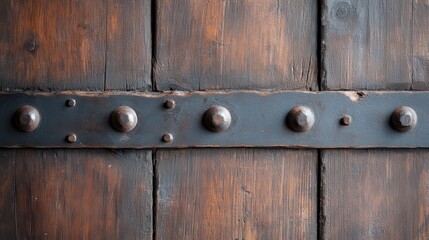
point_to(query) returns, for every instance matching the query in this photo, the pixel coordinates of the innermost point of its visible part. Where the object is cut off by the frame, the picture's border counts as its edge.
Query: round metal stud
(124, 119)
(300, 119)
(170, 104)
(403, 119)
(346, 120)
(168, 137)
(217, 119)
(71, 138)
(27, 118)
(71, 102)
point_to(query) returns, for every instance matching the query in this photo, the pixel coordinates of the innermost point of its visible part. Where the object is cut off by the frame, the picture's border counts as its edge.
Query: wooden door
(213, 193)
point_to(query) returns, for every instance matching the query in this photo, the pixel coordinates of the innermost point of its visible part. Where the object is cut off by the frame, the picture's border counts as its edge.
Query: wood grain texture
(83, 194)
(85, 45)
(376, 194)
(421, 44)
(129, 45)
(7, 194)
(236, 194)
(218, 44)
(367, 44)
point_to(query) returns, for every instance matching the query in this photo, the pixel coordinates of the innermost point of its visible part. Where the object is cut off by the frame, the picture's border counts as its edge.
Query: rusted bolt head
(71, 138)
(168, 137)
(27, 118)
(217, 119)
(170, 104)
(300, 119)
(403, 119)
(346, 120)
(71, 102)
(124, 119)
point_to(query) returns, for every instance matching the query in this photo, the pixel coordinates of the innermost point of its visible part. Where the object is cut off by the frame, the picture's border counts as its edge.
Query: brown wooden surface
(236, 194)
(376, 194)
(217, 44)
(86, 45)
(7, 195)
(77, 194)
(368, 44)
(420, 44)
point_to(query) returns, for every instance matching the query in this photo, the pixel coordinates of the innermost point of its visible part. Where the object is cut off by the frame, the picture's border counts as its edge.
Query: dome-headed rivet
(300, 119)
(27, 118)
(346, 120)
(170, 104)
(124, 119)
(403, 119)
(217, 119)
(71, 102)
(71, 138)
(168, 137)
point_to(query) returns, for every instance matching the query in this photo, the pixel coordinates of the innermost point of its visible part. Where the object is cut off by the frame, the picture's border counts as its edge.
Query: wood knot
(31, 45)
(342, 10)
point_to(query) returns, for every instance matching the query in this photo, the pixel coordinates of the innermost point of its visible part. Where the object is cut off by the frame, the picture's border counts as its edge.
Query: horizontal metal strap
(215, 119)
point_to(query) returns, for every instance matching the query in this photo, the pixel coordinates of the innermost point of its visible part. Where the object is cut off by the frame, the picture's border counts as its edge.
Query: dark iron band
(215, 119)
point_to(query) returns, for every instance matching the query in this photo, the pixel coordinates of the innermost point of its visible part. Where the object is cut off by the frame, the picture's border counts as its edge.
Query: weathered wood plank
(129, 45)
(376, 194)
(217, 44)
(52, 44)
(85, 45)
(84, 194)
(367, 44)
(7, 195)
(420, 44)
(236, 194)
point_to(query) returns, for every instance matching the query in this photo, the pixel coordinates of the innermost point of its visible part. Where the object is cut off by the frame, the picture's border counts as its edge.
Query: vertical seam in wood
(15, 205)
(321, 218)
(321, 75)
(153, 31)
(155, 181)
(411, 44)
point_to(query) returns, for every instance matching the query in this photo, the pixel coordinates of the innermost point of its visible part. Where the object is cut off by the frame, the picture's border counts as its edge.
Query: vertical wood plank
(420, 44)
(7, 195)
(376, 194)
(236, 194)
(84, 194)
(52, 44)
(367, 44)
(129, 45)
(75, 45)
(217, 44)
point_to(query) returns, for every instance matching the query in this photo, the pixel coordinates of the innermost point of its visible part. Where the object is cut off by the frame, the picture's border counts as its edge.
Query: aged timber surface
(236, 194)
(375, 44)
(78, 194)
(75, 45)
(217, 44)
(85, 45)
(375, 194)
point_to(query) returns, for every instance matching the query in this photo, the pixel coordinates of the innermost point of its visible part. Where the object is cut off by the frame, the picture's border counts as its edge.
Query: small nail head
(346, 120)
(170, 104)
(71, 102)
(71, 138)
(168, 137)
